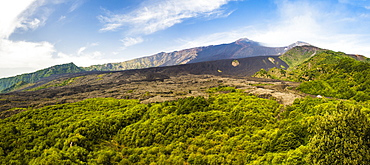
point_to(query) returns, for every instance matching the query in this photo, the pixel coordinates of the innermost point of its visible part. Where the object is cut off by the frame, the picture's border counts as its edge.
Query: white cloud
(39, 55)
(30, 55)
(153, 16)
(26, 14)
(76, 4)
(81, 50)
(129, 41)
(11, 15)
(162, 14)
(212, 39)
(86, 58)
(319, 23)
(19, 57)
(297, 21)
(61, 18)
(94, 44)
(322, 24)
(111, 27)
(31, 24)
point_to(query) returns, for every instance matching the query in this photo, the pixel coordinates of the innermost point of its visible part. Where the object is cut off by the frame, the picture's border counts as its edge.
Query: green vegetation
(347, 79)
(299, 54)
(54, 84)
(227, 128)
(13, 83)
(329, 73)
(139, 63)
(221, 89)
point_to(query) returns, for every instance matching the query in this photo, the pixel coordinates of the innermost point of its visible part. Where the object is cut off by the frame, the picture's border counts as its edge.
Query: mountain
(12, 83)
(241, 48)
(78, 86)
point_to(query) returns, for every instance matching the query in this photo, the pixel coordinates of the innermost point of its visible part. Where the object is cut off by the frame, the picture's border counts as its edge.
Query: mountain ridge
(239, 49)
(11, 83)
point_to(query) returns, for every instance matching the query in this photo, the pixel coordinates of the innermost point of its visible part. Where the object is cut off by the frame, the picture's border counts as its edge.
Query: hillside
(16, 82)
(241, 48)
(327, 73)
(299, 54)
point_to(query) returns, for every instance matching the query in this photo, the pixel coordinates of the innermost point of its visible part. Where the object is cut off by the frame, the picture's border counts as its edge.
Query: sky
(36, 34)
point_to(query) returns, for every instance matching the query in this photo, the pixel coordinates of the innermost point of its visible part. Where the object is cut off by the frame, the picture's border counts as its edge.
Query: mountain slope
(241, 48)
(299, 54)
(12, 83)
(139, 83)
(328, 73)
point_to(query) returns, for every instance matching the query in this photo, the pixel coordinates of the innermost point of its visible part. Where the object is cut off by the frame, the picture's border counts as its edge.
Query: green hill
(299, 54)
(16, 82)
(328, 73)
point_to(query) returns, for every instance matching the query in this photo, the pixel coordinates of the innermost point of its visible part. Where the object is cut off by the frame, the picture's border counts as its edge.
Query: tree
(341, 137)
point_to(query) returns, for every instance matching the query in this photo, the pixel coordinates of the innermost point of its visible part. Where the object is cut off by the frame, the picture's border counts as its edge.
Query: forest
(330, 74)
(229, 127)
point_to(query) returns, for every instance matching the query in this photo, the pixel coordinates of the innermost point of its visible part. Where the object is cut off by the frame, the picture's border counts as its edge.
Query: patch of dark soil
(148, 85)
(9, 113)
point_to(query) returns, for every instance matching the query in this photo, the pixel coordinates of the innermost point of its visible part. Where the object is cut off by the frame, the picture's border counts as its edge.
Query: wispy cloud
(129, 41)
(81, 50)
(11, 15)
(24, 56)
(153, 16)
(212, 39)
(61, 18)
(76, 4)
(324, 24)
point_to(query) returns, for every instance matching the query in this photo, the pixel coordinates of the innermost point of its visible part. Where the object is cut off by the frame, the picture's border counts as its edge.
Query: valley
(147, 91)
(253, 110)
(153, 84)
(171, 82)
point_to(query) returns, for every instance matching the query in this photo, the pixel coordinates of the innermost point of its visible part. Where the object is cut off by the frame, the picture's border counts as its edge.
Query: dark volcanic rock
(241, 48)
(152, 84)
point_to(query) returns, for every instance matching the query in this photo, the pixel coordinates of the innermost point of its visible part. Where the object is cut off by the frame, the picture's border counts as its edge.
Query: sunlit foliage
(227, 128)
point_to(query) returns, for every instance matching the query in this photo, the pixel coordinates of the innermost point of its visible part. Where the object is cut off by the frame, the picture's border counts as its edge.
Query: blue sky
(36, 34)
